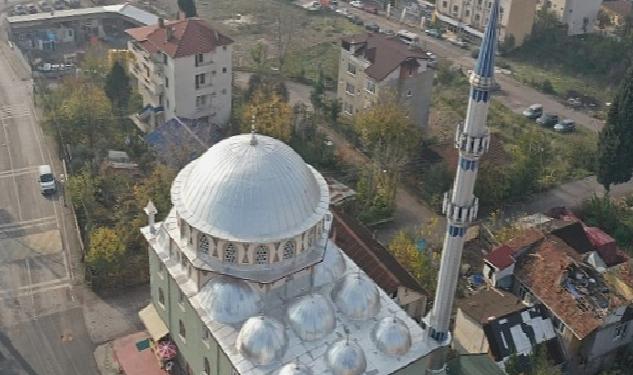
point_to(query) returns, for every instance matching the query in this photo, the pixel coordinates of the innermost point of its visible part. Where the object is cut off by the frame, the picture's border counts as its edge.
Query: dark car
(435, 33)
(565, 126)
(32, 8)
(357, 20)
(534, 111)
(547, 120)
(372, 26)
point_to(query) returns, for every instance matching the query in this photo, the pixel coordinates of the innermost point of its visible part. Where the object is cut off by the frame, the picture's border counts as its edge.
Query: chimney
(161, 22)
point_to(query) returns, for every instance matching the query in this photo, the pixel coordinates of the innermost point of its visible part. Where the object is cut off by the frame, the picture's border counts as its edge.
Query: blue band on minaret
(486, 61)
(479, 95)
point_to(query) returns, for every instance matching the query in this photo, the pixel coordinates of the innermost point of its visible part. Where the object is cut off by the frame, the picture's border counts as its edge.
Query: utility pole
(460, 205)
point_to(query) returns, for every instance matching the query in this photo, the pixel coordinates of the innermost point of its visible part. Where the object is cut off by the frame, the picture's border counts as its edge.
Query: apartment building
(372, 64)
(517, 16)
(183, 68)
(579, 15)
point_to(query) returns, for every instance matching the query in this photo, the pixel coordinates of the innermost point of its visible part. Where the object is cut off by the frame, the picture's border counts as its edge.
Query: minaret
(460, 204)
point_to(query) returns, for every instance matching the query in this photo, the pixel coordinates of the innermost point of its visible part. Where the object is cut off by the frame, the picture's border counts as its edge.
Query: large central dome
(247, 191)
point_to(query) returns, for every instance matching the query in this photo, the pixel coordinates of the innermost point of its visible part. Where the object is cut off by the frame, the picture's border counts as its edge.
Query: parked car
(32, 8)
(432, 62)
(59, 5)
(356, 4)
(342, 11)
(435, 33)
(370, 9)
(565, 126)
(459, 42)
(72, 3)
(46, 179)
(45, 6)
(372, 26)
(534, 111)
(547, 120)
(19, 10)
(388, 32)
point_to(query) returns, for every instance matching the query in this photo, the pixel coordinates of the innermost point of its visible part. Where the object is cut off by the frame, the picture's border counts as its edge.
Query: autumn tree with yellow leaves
(272, 116)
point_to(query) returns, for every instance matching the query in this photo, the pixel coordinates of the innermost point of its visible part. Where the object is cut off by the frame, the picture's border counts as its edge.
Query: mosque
(245, 279)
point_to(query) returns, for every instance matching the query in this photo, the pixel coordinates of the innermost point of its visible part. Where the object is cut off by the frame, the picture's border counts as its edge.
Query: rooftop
(131, 12)
(179, 38)
(621, 7)
(490, 304)
(384, 53)
(571, 289)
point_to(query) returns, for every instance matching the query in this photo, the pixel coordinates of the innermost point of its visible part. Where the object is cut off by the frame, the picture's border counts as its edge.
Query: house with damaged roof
(577, 277)
(373, 64)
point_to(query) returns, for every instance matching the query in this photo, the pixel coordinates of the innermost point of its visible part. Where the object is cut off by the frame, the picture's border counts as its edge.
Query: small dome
(262, 340)
(330, 269)
(357, 297)
(392, 336)
(294, 369)
(312, 317)
(229, 300)
(346, 358)
(250, 192)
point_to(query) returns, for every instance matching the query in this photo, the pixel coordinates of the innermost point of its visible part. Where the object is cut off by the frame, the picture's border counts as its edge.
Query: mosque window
(182, 228)
(230, 253)
(161, 296)
(203, 244)
(181, 329)
(207, 366)
(261, 255)
(289, 250)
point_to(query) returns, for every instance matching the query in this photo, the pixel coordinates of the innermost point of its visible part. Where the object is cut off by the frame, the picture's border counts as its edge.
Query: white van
(46, 179)
(408, 37)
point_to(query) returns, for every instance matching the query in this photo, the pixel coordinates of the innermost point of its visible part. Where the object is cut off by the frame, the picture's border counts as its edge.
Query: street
(42, 329)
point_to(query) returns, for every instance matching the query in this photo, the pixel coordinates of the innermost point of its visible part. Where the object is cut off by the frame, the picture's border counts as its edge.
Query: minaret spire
(460, 204)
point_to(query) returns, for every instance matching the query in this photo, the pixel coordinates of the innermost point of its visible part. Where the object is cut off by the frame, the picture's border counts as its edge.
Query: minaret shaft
(461, 205)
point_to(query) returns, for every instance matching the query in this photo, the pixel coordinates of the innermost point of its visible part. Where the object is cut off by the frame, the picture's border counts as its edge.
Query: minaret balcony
(482, 83)
(460, 214)
(475, 146)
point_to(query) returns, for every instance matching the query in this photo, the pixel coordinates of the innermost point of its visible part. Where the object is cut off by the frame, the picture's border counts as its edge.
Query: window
(455, 9)
(261, 255)
(161, 296)
(477, 17)
(371, 87)
(214, 93)
(181, 329)
(223, 48)
(224, 70)
(620, 331)
(349, 88)
(183, 261)
(165, 59)
(203, 243)
(467, 13)
(205, 333)
(181, 297)
(167, 103)
(207, 366)
(213, 72)
(182, 228)
(166, 82)
(161, 267)
(230, 253)
(201, 79)
(199, 59)
(351, 68)
(409, 93)
(223, 91)
(289, 250)
(201, 101)
(348, 109)
(444, 4)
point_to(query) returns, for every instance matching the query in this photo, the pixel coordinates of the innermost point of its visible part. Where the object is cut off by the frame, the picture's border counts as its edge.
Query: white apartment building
(579, 15)
(373, 63)
(516, 16)
(183, 68)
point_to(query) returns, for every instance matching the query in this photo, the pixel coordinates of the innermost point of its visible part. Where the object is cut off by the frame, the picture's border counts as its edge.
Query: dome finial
(253, 138)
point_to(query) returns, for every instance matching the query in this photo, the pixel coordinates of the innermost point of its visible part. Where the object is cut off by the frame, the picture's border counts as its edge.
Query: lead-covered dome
(330, 269)
(247, 191)
(356, 296)
(392, 336)
(346, 358)
(262, 340)
(229, 300)
(312, 317)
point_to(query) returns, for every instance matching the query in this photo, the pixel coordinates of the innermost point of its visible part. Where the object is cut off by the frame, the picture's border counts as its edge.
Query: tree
(615, 145)
(156, 187)
(188, 7)
(387, 132)
(105, 257)
(418, 263)
(286, 22)
(117, 87)
(259, 55)
(273, 116)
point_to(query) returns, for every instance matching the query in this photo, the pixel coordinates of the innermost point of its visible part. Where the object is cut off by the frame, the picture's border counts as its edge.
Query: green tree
(188, 7)
(615, 143)
(105, 257)
(419, 264)
(259, 56)
(117, 88)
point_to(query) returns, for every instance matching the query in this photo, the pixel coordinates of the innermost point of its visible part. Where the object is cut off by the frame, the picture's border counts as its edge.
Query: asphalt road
(42, 329)
(513, 94)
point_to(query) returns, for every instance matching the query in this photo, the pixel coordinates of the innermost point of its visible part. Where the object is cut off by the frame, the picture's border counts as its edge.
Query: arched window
(181, 329)
(207, 366)
(261, 255)
(203, 244)
(289, 250)
(230, 253)
(182, 228)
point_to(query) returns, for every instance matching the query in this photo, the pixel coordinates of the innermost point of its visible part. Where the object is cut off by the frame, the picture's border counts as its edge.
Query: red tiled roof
(500, 257)
(188, 37)
(357, 242)
(385, 53)
(133, 361)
